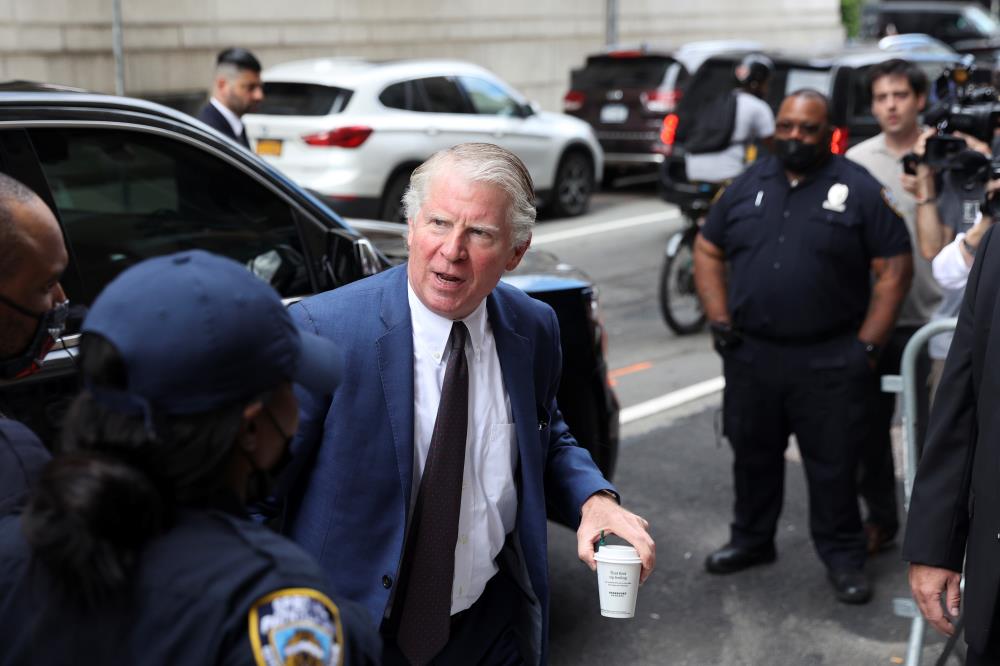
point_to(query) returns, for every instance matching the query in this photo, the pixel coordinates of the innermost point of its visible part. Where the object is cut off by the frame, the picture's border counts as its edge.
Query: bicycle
(679, 302)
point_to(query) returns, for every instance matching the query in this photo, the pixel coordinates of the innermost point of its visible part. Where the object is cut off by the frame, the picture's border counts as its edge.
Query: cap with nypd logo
(198, 332)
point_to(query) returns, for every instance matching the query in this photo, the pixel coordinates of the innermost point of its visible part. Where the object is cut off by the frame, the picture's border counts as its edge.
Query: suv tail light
(573, 101)
(660, 101)
(668, 132)
(838, 141)
(342, 137)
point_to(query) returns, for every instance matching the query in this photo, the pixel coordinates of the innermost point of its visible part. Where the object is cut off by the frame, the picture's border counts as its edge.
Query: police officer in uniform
(33, 309)
(798, 320)
(134, 547)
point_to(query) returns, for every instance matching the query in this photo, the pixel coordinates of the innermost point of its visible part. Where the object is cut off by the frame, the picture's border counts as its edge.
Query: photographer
(949, 191)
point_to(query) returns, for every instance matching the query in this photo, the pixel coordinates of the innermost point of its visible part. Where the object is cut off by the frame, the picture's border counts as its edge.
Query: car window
(816, 79)
(488, 98)
(399, 96)
(302, 99)
(981, 22)
(126, 196)
(441, 95)
(604, 72)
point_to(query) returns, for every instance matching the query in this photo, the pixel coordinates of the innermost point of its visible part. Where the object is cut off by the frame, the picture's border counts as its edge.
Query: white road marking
(603, 227)
(671, 400)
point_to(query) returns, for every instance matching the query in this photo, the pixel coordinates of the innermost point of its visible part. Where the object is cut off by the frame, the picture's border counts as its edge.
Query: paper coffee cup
(618, 569)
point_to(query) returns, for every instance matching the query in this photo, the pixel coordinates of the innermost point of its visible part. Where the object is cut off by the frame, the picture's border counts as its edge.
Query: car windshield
(982, 21)
(622, 72)
(302, 99)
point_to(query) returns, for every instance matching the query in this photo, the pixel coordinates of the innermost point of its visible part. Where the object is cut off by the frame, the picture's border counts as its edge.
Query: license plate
(614, 113)
(269, 147)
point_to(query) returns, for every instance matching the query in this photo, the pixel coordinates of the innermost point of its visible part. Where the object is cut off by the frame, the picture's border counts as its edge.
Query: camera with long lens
(968, 104)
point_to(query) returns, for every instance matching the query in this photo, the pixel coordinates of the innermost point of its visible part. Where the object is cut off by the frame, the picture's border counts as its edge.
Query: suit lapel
(395, 364)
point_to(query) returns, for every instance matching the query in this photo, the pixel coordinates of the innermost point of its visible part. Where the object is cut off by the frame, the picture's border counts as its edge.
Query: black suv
(843, 77)
(624, 93)
(129, 180)
(965, 26)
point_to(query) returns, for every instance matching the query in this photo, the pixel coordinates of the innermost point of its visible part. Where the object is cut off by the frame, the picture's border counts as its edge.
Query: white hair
(480, 163)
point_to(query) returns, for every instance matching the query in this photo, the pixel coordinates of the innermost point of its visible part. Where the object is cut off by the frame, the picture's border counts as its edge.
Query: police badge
(299, 626)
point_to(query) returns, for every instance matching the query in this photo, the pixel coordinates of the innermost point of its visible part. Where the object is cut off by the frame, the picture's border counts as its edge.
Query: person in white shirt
(754, 124)
(236, 90)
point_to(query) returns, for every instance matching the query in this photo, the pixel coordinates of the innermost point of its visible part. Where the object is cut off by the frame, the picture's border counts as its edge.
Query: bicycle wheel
(679, 301)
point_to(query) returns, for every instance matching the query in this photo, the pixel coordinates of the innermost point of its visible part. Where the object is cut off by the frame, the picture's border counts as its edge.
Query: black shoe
(730, 558)
(851, 587)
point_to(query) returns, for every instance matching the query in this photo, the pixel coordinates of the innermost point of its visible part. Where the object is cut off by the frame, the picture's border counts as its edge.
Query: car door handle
(432, 131)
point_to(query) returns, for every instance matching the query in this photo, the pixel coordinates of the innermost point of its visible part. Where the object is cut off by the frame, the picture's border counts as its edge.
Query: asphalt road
(672, 471)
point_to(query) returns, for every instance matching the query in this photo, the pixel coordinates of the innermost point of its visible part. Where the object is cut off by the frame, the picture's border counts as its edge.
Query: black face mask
(799, 157)
(51, 324)
(260, 485)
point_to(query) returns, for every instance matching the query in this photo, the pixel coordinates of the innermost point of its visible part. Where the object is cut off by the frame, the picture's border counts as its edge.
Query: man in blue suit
(236, 90)
(450, 553)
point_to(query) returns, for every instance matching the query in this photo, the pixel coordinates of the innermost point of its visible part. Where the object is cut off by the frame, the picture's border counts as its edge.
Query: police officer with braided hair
(134, 547)
(798, 320)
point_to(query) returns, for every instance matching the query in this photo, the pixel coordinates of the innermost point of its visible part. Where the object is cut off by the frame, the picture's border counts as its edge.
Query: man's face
(460, 244)
(802, 118)
(895, 105)
(34, 284)
(243, 93)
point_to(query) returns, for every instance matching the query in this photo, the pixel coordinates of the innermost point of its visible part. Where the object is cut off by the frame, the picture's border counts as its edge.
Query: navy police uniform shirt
(800, 255)
(22, 456)
(215, 589)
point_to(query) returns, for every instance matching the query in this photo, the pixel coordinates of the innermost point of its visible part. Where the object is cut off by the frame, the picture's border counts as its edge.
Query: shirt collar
(230, 117)
(431, 331)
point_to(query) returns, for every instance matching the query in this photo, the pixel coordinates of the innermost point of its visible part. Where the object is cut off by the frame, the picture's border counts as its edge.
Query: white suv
(353, 130)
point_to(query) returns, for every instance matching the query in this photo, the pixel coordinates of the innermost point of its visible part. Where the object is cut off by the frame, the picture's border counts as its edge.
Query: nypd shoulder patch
(890, 201)
(296, 626)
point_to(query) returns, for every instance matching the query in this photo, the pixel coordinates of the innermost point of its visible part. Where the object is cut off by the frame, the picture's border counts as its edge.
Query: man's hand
(602, 513)
(928, 584)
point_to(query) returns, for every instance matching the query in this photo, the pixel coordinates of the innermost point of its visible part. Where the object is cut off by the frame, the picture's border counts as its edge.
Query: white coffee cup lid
(617, 555)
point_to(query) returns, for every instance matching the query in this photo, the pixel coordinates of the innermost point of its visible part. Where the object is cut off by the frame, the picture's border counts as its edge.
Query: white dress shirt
(231, 118)
(489, 496)
(950, 269)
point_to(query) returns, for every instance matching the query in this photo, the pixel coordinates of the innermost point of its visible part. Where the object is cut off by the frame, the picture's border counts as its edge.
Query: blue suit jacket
(349, 507)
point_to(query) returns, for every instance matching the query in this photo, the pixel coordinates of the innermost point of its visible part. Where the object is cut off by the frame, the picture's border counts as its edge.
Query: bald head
(32, 259)
(13, 196)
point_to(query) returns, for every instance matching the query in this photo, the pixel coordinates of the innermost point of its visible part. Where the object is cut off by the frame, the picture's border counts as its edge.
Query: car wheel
(392, 201)
(573, 187)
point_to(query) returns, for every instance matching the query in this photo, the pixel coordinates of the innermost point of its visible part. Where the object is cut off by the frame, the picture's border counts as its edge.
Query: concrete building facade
(169, 47)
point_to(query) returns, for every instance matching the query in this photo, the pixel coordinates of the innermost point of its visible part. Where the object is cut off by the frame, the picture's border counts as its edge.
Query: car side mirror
(348, 258)
(530, 109)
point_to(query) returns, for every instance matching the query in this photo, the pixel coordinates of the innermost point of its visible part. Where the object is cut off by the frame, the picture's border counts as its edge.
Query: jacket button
(387, 581)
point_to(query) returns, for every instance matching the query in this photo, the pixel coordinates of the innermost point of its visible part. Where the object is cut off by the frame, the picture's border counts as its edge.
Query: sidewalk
(783, 613)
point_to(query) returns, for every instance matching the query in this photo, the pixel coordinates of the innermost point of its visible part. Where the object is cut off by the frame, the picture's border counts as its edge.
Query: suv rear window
(302, 99)
(621, 72)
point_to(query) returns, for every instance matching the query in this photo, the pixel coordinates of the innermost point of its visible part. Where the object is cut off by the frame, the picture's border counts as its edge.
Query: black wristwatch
(724, 336)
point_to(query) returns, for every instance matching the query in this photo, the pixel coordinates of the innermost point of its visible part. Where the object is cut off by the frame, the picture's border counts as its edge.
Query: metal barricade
(905, 383)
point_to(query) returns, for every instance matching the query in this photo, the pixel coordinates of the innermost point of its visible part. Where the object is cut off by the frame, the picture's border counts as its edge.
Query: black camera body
(968, 102)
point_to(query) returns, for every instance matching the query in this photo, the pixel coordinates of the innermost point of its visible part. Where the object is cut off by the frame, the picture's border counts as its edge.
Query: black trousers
(481, 635)
(823, 394)
(876, 471)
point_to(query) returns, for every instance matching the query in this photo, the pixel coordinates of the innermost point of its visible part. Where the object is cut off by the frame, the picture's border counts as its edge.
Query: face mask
(51, 324)
(799, 157)
(260, 485)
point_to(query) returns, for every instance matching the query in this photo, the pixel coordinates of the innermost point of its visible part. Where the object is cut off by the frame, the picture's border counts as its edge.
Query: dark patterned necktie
(429, 562)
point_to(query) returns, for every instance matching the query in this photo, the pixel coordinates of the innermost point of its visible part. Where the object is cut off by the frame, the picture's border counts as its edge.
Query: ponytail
(88, 517)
